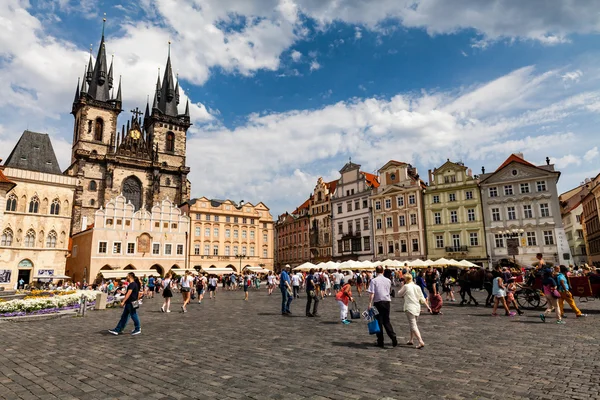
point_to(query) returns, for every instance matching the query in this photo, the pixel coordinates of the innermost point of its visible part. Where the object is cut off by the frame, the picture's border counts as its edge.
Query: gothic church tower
(145, 161)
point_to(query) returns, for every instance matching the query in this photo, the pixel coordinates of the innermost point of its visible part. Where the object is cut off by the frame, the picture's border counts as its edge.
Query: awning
(217, 271)
(122, 273)
(51, 277)
(259, 270)
(181, 271)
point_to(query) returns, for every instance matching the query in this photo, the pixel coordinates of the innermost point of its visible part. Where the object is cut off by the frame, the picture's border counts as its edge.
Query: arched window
(170, 144)
(7, 237)
(29, 238)
(34, 205)
(55, 207)
(132, 190)
(92, 202)
(168, 182)
(11, 203)
(93, 186)
(51, 240)
(98, 129)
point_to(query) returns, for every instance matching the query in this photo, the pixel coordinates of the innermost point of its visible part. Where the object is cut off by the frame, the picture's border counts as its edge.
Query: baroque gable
(515, 172)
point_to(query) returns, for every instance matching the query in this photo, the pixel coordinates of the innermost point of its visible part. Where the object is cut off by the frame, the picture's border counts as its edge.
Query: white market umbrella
(468, 264)
(304, 267)
(442, 262)
(454, 263)
(417, 264)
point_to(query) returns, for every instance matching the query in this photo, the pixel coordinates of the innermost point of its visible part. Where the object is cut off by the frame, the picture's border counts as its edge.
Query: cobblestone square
(229, 348)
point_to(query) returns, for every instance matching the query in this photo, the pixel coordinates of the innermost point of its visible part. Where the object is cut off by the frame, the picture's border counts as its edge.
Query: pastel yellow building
(453, 215)
(224, 233)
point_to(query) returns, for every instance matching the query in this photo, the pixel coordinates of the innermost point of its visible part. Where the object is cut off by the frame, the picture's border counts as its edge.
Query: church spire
(88, 74)
(187, 108)
(84, 83)
(119, 89)
(167, 99)
(76, 99)
(99, 89)
(110, 73)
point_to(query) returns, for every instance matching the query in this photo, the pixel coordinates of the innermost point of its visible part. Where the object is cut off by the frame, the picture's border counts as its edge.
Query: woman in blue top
(421, 283)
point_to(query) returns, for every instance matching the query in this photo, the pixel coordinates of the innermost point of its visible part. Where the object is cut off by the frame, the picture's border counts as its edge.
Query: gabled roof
(514, 158)
(303, 206)
(34, 152)
(349, 167)
(331, 186)
(371, 179)
(392, 162)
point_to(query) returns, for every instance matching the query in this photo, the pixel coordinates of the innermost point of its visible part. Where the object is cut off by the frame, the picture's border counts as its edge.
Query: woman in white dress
(413, 298)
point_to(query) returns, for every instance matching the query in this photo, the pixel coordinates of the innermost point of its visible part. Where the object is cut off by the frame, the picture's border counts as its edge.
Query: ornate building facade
(121, 238)
(453, 215)
(571, 206)
(399, 226)
(591, 221)
(320, 234)
(36, 219)
(292, 241)
(351, 210)
(522, 213)
(227, 234)
(145, 161)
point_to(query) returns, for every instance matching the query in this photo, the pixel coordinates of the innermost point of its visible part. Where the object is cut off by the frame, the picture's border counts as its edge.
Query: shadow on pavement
(354, 345)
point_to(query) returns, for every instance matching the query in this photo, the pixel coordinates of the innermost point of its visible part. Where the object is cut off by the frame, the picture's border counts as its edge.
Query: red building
(291, 237)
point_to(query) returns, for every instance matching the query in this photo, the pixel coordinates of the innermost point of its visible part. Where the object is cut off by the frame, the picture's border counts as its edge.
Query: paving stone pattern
(232, 349)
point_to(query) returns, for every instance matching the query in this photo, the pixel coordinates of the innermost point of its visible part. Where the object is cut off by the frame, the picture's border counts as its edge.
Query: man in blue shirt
(285, 285)
(565, 294)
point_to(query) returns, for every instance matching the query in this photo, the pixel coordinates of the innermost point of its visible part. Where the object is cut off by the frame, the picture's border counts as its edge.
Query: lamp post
(240, 257)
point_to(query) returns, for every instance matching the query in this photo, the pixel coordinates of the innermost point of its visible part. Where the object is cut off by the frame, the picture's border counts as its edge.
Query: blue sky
(285, 91)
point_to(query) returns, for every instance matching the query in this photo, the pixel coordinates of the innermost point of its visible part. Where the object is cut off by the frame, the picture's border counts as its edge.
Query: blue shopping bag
(373, 327)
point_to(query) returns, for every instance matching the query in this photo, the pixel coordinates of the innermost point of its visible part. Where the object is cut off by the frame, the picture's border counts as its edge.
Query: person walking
(151, 283)
(464, 282)
(167, 293)
(212, 287)
(270, 282)
(499, 292)
(130, 305)
(311, 294)
(247, 283)
(343, 296)
(565, 294)
(186, 288)
(511, 288)
(549, 286)
(200, 287)
(285, 285)
(413, 298)
(379, 296)
(295, 286)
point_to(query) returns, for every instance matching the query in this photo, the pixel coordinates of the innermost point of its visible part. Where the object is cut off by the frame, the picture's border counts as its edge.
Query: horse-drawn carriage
(531, 294)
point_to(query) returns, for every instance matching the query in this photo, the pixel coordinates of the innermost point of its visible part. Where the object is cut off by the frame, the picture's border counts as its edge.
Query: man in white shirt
(379, 290)
(296, 285)
(337, 280)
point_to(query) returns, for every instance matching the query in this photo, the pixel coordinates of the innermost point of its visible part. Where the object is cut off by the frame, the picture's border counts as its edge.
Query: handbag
(373, 327)
(555, 294)
(135, 304)
(354, 312)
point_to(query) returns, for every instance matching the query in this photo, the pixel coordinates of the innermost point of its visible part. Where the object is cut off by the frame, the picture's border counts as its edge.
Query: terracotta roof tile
(304, 205)
(4, 179)
(332, 185)
(515, 158)
(371, 179)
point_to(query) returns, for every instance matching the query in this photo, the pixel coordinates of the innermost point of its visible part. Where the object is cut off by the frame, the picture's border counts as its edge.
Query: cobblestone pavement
(230, 348)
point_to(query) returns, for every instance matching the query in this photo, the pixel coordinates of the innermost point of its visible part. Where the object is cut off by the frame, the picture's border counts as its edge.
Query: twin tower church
(144, 160)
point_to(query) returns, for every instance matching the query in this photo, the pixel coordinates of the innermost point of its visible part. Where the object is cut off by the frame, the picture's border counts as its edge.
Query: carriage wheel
(543, 300)
(528, 299)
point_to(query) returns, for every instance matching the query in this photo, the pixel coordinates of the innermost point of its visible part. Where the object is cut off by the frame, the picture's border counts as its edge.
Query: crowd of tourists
(419, 288)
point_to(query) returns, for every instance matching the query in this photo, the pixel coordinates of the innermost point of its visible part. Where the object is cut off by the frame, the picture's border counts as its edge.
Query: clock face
(135, 134)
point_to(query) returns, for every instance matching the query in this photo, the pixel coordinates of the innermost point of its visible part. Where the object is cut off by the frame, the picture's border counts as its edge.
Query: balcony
(457, 249)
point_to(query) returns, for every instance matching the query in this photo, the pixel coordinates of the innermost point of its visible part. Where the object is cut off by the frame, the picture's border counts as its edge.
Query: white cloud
(591, 154)
(565, 161)
(572, 76)
(357, 33)
(314, 65)
(296, 56)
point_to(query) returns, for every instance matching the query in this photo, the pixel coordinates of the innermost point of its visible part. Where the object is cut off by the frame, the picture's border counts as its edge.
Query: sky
(283, 92)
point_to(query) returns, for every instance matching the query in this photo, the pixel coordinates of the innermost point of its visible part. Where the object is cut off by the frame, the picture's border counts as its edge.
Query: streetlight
(513, 234)
(240, 257)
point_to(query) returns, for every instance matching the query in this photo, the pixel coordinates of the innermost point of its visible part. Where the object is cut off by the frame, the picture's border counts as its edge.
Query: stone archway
(129, 268)
(232, 267)
(106, 268)
(132, 190)
(159, 269)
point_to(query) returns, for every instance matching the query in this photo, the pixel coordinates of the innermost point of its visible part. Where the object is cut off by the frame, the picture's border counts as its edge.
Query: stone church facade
(145, 160)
